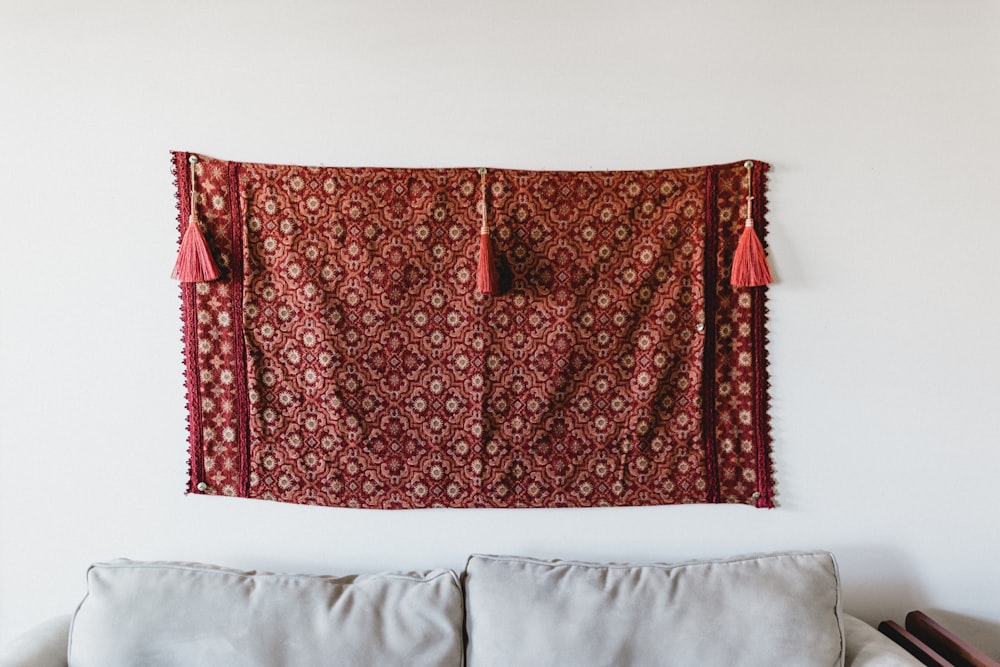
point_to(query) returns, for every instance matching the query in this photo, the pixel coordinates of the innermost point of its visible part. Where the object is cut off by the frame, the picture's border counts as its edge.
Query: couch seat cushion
(154, 613)
(763, 610)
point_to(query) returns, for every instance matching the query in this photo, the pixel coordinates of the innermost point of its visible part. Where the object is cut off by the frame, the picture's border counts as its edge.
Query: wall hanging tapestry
(345, 345)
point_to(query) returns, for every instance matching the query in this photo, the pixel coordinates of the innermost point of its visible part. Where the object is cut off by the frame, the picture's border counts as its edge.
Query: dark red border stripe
(239, 339)
(709, 390)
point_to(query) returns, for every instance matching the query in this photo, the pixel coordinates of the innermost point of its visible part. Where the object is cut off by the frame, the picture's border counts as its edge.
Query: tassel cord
(487, 277)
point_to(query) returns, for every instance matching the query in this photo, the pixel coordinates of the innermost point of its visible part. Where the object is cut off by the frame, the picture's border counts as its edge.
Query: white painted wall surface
(881, 121)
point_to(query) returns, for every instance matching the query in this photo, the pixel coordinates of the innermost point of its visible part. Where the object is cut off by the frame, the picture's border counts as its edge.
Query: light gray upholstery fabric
(42, 646)
(761, 611)
(152, 614)
(867, 647)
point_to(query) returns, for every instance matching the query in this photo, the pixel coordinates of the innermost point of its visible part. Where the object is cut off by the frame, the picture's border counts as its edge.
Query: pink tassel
(194, 261)
(750, 261)
(487, 277)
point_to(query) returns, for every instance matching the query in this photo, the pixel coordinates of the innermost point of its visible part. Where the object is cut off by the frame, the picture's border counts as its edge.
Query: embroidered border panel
(345, 358)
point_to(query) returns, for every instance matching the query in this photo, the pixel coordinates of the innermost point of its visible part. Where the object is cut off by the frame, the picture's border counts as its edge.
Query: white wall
(880, 120)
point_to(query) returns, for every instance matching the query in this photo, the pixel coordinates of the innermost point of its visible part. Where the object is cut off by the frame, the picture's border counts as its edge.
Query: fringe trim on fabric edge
(766, 484)
(179, 165)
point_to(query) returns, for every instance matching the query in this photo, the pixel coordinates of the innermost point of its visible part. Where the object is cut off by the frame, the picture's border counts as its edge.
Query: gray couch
(769, 610)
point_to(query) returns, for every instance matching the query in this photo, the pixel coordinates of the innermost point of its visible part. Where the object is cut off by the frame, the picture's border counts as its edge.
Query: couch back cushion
(764, 610)
(152, 613)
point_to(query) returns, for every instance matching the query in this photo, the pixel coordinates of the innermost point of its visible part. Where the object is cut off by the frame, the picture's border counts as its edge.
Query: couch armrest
(867, 647)
(42, 646)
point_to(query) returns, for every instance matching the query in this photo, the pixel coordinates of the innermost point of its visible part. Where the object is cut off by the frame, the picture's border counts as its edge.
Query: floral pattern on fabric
(345, 357)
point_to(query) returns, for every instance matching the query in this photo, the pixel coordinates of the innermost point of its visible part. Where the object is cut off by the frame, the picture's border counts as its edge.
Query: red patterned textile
(346, 358)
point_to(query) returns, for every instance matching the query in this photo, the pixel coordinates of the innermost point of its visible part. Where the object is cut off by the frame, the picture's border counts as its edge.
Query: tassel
(487, 277)
(194, 260)
(750, 261)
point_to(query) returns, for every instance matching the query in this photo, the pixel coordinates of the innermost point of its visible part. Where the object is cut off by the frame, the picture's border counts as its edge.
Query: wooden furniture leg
(917, 648)
(955, 649)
